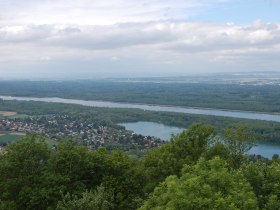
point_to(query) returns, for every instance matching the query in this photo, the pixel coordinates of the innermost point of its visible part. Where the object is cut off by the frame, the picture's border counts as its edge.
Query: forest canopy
(195, 170)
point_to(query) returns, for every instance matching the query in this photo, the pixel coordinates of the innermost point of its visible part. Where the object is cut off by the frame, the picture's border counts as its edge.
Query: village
(83, 131)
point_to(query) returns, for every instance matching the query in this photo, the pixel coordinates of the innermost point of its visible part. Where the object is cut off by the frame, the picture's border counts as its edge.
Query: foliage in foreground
(99, 199)
(206, 185)
(195, 170)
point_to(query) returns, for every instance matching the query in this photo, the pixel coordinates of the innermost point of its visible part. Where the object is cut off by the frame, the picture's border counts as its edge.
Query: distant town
(237, 78)
(91, 134)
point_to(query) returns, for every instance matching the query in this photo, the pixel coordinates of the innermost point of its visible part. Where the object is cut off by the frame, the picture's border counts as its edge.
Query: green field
(18, 116)
(9, 138)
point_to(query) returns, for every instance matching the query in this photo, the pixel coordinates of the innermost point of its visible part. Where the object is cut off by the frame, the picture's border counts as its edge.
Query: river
(161, 108)
(162, 131)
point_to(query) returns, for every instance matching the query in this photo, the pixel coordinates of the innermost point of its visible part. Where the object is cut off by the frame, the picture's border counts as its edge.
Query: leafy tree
(170, 158)
(238, 140)
(265, 180)
(125, 180)
(206, 185)
(272, 203)
(21, 168)
(90, 200)
(275, 157)
(81, 167)
(217, 149)
(32, 176)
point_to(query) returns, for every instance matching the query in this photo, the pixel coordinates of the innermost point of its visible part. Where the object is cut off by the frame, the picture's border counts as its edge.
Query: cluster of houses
(92, 134)
(18, 126)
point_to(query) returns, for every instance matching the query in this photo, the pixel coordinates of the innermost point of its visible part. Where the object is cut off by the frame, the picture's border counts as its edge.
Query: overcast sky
(126, 38)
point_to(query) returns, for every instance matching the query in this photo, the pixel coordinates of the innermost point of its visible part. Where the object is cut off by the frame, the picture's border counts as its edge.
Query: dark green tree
(126, 180)
(21, 169)
(265, 180)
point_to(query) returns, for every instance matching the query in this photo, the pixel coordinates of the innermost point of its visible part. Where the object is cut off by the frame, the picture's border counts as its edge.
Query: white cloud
(165, 37)
(146, 35)
(45, 58)
(96, 12)
(115, 58)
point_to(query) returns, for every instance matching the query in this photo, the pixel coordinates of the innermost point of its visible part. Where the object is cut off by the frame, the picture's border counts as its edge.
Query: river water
(162, 131)
(152, 129)
(186, 110)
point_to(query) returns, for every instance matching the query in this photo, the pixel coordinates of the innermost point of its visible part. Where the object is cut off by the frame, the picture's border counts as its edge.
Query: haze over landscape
(88, 39)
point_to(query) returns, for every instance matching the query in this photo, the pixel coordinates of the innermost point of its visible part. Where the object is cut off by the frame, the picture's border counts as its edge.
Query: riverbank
(269, 130)
(205, 111)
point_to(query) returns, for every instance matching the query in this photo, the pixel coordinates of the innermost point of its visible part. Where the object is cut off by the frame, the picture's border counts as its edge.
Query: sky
(88, 39)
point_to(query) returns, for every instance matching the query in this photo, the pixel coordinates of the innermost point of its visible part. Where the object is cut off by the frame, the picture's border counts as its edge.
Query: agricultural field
(11, 115)
(8, 138)
(12, 137)
(7, 114)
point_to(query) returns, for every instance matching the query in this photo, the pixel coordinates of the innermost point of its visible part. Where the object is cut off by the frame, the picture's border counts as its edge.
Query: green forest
(262, 98)
(197, 169)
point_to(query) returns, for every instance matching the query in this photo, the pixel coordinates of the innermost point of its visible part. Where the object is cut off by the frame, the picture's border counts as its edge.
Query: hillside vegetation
(195, 170)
